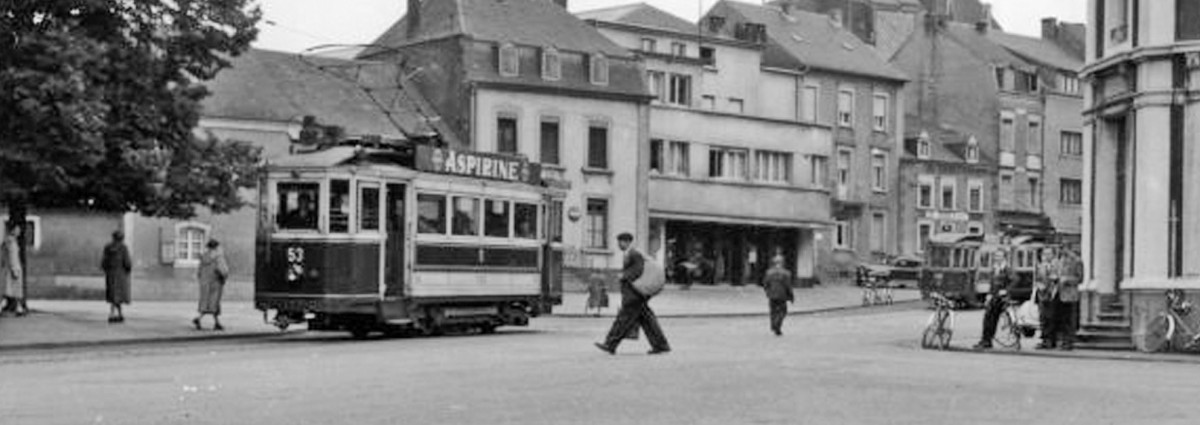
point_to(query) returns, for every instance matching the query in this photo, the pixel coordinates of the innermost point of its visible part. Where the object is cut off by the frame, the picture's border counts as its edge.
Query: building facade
(525, 77)
(1140, 159)
(734, 180)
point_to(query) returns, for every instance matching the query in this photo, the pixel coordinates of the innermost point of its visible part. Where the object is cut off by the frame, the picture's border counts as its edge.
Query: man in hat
(778, 286)
(635, 309)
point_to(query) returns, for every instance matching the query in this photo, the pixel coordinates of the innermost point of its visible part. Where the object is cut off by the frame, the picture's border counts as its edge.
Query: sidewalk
(720, 301)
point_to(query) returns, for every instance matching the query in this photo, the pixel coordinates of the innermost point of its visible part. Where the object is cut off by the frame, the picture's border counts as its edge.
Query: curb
(743, 315)
(144, 341)
(1078, 354)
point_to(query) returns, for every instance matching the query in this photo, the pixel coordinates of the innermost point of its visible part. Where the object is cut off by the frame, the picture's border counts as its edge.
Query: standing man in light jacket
(778, 286)
(635, 309)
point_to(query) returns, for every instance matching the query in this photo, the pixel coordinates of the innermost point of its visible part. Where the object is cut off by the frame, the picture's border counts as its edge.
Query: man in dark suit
(778, 285)
(635, 309)
(1003, 279)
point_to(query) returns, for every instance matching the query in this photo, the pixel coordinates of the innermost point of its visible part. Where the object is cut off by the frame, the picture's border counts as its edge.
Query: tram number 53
(295, 263)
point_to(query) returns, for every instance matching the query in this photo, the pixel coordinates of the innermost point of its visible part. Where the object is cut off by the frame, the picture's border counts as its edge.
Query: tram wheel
(360, 332)
(487, 329)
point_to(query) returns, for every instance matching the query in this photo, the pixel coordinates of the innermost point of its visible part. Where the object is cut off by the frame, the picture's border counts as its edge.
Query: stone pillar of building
(806, 253)
(1151, 196)
(1190, 212)
(1101, 196)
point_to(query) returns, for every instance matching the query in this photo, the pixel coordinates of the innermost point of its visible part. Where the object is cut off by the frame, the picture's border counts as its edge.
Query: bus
(405, 237)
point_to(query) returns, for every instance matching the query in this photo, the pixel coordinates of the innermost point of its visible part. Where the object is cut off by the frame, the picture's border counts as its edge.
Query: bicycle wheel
(1158, 335)
(1008, 335)
(944, 331)
(927, 337)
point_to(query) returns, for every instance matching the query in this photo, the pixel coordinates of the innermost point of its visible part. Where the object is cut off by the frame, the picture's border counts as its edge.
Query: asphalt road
(845, 368)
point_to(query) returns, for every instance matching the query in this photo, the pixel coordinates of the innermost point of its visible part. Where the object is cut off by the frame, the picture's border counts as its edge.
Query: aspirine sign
(477, 164)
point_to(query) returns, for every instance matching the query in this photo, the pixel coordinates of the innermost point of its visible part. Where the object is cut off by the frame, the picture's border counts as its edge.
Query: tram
(404, 237)
(960, 265)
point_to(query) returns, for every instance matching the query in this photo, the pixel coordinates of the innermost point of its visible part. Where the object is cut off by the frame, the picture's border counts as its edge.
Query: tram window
(297, 206)
(495, 221)
(368, 208)
(525, 221)
(431, 214)
(339, 206)
(466, 217)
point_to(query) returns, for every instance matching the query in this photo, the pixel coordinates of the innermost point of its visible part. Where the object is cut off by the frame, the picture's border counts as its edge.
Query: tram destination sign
(478, 164)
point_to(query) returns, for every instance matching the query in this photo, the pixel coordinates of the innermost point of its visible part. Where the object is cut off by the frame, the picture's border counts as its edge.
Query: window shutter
(166, 248)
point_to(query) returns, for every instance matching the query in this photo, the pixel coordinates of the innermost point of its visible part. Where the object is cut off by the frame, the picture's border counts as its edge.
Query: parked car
(906, 271)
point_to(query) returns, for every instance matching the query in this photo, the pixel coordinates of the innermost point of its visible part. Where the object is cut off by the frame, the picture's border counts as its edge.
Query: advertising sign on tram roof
(483, 165)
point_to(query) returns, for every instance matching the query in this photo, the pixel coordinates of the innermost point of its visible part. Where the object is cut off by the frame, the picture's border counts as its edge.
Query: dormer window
(551, 65)
(923, 146)
(972, 150)
(598, 69)
(510, 64)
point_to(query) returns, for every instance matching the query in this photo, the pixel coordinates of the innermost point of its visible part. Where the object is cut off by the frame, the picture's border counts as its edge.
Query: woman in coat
(12, 276)
(213, 272)
(116, 265)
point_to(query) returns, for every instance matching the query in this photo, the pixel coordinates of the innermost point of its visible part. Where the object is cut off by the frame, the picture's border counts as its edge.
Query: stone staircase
(1112, 329)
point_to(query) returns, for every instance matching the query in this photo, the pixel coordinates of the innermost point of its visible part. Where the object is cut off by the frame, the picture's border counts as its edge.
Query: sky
(296, 25)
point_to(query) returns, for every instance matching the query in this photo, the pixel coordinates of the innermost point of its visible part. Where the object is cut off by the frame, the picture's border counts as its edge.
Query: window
(597, 223)
(725, 163)
(1007, 134)
(680, 90)
(709, 55)
(1068, 83)
(656, 156)
(925, 192)
(466, 217)
(1070, 192)
(879, 171)
(1029, 82)
(924, 231)
(1035, 137)
(677, 159)
(525, 222)
(1006, 190)
(189, 243)
(775, 167)
(1187, 26)
(598, 70)
(808, 103)
(495, 218)
(819, 164)
(678, 49)
(506, 134)
(975, 228)
(1035, 198)
(880, 108)
(975, 195)
(510, 63)
(431, 214)
(1001, 79)
(649, 45)
(656, 81)
(924, 147)
(708, 102)
(597, 146)
(1071, 143)
(844, 160)
(841, 235)
(737, 106)
(298, 203)
(550, 141)
(339, 206)
(551, 64)
(32, 230)
(368, 207)
(878, 232)
(949, 189)
(845, 108)
(972, 150)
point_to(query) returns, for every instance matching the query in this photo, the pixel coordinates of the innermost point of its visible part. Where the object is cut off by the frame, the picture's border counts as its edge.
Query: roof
(982, 46)
(1037, 50)
(526, 22)
(805, 39)
(641, 14)
(276, 86)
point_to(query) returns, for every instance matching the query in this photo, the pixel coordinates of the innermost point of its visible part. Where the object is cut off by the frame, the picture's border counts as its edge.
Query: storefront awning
(745, 221)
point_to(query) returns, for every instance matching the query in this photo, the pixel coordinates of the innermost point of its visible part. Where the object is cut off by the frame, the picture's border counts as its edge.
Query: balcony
(673, 58)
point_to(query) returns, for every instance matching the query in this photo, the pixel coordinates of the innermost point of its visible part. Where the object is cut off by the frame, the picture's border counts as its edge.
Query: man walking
(778, 285)
(635, 309)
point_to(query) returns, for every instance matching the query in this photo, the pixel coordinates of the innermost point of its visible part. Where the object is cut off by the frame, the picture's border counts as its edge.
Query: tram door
(394, 256)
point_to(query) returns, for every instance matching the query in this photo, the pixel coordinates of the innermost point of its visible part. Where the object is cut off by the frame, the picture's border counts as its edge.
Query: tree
(101, 99)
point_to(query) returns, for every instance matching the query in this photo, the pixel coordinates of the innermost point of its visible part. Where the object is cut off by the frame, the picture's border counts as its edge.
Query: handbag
(1028, 314)
(652, 280)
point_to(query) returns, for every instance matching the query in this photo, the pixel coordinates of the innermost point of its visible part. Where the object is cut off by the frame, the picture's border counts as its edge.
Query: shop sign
(950, 216)
(477, 164)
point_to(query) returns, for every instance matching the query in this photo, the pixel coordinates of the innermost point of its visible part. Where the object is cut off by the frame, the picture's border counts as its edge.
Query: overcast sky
(295, 25)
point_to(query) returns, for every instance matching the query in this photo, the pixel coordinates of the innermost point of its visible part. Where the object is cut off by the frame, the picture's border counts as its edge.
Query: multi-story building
(838, 81)
(526, 77)
(1141, 164)
(736, 177)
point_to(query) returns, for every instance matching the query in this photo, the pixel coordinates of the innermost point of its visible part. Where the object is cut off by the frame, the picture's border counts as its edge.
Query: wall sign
(478, 164)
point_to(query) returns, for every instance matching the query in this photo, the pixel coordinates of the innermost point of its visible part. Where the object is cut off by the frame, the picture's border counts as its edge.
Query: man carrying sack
(641, 279)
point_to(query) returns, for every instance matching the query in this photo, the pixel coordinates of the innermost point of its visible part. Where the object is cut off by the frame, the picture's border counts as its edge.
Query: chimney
(1050, 28)
(985, 21)
(561, 3)
(414, 18)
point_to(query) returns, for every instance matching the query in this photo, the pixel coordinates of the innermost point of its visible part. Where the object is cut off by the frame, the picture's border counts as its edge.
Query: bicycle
(1009, 330)
(876, 291)
(1163, 332)
(939, 330)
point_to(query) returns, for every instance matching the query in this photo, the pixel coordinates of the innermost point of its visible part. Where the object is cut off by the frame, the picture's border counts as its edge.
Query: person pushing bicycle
(1003, 278)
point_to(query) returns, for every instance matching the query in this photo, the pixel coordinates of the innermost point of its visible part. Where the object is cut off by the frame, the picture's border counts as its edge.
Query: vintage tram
(404, 237)
(959, 266)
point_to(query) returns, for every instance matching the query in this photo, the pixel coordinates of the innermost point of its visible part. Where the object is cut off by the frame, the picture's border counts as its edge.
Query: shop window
(597, 223)
(525, 220)
(466, 217)
(339, 206)
(506, 134)
(495, 219)
(431, 214)
(551, 64)
(551, 140)
(510, 60)
(597, 146)
(680, 90)
(298, 206)
(368, 207)
(190, 238)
